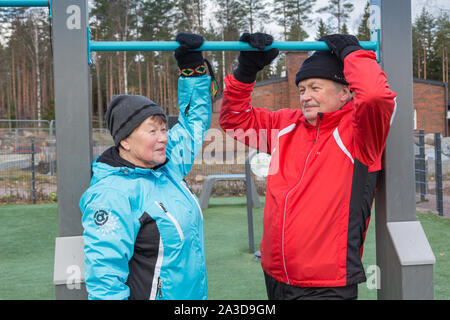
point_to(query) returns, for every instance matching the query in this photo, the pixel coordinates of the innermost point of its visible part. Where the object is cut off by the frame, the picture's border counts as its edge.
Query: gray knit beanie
(126, 112)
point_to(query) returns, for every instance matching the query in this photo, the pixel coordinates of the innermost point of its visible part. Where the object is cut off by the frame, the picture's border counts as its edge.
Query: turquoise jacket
(143, 228)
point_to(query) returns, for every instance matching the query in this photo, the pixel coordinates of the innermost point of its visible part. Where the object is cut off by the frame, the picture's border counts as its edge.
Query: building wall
(430, 106)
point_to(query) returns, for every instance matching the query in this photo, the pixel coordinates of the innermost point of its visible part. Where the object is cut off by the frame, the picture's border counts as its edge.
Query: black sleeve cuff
(245, 77)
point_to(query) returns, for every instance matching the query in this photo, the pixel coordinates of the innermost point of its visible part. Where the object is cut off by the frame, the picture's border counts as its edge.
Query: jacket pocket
(172, 218)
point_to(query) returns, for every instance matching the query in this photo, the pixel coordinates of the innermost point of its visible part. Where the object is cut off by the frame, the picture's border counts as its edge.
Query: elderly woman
(143, 227)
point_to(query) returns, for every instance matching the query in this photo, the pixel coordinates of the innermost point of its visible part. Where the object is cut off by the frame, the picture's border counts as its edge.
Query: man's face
(321, 95)
(146, 145)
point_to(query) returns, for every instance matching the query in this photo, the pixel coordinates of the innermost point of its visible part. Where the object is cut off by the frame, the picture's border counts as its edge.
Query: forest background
(26, 74)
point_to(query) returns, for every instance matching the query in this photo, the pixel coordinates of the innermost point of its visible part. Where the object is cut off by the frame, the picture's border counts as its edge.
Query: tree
(364, 29)
(322, 29)
(254, 13)
(159, 22)
(298, 13)
(216, 58)
(441, 48)
(281, 17)
(340, 9)
(424, 29)
(24, 88)
(344, 29)
(230, 15)
(185, 16)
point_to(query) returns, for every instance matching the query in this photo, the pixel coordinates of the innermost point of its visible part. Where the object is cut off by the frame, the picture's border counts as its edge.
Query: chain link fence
(27, 161)
(432, 172)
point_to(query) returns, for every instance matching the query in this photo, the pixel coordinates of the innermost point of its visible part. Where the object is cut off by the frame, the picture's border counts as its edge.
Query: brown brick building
(430, 109)
(430, 100)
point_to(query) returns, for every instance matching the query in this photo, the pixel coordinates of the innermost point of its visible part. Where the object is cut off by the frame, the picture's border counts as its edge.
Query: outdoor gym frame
(404, 257)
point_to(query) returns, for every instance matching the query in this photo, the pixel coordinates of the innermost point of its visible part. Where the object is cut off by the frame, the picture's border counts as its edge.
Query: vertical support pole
(248, 190)
(404, 255)
(73, 120)
(438, 173)
(33, 173)
(422, 166)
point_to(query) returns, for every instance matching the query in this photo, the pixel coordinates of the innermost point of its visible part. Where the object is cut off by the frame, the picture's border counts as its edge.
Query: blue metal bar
(25, 3)
(215, 46)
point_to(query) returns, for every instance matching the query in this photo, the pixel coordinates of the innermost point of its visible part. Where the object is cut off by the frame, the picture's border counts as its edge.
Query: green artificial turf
(232, 270)
(28, 232)
(27, 237)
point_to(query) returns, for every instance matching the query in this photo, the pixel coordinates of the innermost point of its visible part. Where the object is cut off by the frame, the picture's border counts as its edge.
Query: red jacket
(321, 179)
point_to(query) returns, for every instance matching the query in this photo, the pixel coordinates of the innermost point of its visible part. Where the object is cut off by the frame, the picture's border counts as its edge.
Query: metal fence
(432, 172)
(27, 161)
(28, 171)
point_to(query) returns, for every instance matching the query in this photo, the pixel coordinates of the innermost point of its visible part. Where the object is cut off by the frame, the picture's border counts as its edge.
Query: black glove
(341, 44)
(250, 62)
(189, 59)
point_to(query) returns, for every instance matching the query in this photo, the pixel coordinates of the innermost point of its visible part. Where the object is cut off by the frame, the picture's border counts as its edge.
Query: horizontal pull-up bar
(216, 46)
(25, 3)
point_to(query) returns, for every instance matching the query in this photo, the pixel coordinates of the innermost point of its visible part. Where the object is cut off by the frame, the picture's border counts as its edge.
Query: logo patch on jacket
(106, 222)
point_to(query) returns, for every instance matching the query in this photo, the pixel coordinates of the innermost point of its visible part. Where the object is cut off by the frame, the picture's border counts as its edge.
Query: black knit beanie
(126, 112)
(324, 65)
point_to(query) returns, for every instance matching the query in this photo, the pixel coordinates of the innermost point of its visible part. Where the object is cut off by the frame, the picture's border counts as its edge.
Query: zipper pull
(320, 114)
(162, 207)
(159, 287)
(188, 186)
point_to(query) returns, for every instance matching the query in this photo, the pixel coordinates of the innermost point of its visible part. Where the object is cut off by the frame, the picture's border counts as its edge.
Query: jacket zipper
(287, 195)
(193, 197)
(175, 222)
(156, 281)
(159, 291)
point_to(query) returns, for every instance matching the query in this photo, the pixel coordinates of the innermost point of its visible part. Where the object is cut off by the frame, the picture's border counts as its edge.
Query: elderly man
(325, 160)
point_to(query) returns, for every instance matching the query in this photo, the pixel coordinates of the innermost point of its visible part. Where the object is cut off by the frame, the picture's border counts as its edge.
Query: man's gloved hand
(341, 44)
(189, 59)
(250, 62)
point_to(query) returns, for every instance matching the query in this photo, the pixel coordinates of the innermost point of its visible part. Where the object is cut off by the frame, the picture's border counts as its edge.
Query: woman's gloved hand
(189, 62)
(250, 62)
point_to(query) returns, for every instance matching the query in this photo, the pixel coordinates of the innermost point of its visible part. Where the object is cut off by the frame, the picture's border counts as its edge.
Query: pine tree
(322, 29)
(185, 16)
(281, 15)
(254, 13)
(364, 29)
(424, 28)
(344, 29)
(340, 9)
(441, 47)
(298, 13)
(230, 15)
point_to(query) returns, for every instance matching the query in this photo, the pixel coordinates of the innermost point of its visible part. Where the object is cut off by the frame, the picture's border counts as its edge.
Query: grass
(28, 235)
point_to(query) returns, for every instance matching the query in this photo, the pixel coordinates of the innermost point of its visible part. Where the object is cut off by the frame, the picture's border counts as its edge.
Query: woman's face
(146, 145)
